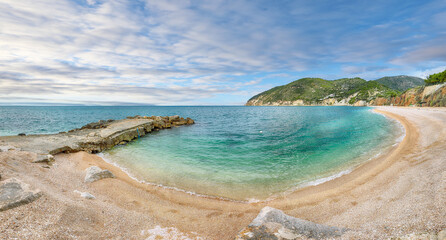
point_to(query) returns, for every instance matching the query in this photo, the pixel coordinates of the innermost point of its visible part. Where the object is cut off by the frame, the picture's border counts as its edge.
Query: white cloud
(425, 73)
(170, 52)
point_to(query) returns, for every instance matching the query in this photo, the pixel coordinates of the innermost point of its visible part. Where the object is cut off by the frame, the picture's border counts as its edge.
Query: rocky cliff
(424, 96)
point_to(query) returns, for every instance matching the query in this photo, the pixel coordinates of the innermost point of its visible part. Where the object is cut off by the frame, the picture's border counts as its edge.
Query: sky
(164, 52)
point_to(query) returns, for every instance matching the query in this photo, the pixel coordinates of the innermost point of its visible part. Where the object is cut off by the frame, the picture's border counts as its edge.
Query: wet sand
(397, 194)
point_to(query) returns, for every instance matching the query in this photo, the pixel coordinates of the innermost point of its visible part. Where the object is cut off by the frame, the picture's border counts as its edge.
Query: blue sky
(206, 52)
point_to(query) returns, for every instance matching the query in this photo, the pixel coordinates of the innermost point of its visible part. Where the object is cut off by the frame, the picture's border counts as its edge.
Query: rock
(14, 193)
(442, 235)
(95, 173)
(42, 158)
(189, 121)
(85, 195)
(274, 224)
(360, 103)
(7, 148)
(21, 134)
(174, 118)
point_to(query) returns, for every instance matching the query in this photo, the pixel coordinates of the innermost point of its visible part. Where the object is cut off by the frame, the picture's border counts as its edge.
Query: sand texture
(401, 193)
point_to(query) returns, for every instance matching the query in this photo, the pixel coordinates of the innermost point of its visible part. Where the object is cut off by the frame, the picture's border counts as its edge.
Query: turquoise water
(239, 153)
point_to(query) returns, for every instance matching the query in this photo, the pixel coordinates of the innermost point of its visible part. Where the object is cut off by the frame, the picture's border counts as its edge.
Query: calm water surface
(239, 153)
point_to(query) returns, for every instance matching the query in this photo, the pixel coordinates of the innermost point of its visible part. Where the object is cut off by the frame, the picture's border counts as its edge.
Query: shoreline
(399, 193)
(313, 183)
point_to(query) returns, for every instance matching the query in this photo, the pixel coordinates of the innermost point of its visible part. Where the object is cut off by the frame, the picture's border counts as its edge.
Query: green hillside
(401, 83)
(314, 91)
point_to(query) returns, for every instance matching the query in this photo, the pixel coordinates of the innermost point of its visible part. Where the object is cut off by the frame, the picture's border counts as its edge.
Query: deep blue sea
(240, 153)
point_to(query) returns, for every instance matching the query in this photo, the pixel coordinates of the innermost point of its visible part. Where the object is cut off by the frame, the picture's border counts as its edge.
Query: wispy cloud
(195, 52)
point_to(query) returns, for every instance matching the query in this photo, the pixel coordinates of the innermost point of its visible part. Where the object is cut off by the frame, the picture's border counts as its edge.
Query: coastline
(349, 201)
(345, 170)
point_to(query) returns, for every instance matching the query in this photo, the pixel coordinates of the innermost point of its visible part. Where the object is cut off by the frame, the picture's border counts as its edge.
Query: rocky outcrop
(14, 193)
(95, 173)
(272, 223)
(424, 96)
(93, 137)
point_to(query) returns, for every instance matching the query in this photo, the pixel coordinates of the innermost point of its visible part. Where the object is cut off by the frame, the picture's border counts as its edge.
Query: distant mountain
(317, 91)
(401, 83)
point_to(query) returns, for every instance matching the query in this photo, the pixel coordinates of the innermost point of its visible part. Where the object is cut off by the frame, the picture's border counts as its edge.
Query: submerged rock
(95, 173)
(272, 223)
(14, 193)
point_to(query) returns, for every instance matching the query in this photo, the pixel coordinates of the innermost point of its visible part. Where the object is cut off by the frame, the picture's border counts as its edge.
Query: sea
(238, 153)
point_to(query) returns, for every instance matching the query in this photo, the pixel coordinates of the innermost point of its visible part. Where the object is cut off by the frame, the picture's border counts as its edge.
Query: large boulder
(272, 223)
(14, 193)
(95, 173)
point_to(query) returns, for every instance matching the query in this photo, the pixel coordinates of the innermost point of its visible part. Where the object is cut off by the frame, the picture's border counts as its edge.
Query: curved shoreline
(398, 193)
(310, 184)
(365, 170)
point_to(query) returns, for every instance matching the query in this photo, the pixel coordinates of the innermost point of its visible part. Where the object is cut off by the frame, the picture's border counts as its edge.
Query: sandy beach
(400, 193)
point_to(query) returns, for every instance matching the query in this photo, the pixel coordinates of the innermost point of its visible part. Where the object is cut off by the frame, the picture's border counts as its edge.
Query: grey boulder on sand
(272, 223)
(14, 193)
(95, 173)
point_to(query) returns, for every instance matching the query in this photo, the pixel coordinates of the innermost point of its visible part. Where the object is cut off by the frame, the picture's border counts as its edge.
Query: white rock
(41, 158)
(85, 195)
(273, 223)
(7, 148)
(94, 173)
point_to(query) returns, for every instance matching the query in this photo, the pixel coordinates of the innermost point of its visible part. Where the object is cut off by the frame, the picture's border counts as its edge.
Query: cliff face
(425, 96)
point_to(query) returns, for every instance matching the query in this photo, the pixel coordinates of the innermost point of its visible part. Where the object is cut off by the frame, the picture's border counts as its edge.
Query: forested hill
(396, 90)
(401, 83)
(317, 91)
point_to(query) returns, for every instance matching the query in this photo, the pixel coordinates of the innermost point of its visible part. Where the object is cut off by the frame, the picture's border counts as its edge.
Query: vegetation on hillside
(436, 78)
(401, 83)
(357, 91)
(316, 90)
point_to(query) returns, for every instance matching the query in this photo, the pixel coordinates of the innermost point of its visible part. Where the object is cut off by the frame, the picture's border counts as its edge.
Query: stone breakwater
(93, 137)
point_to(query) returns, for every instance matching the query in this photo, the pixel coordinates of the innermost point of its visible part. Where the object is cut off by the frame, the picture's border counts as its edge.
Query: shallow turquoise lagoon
(240, 153)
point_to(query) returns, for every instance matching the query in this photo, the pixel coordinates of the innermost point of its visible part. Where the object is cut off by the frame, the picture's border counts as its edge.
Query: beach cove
(399, 193)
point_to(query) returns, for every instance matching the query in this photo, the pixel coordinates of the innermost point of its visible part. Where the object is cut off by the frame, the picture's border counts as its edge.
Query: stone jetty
(93, 137)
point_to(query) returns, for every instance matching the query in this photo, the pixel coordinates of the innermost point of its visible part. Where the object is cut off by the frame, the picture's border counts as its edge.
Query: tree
(436, 78)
